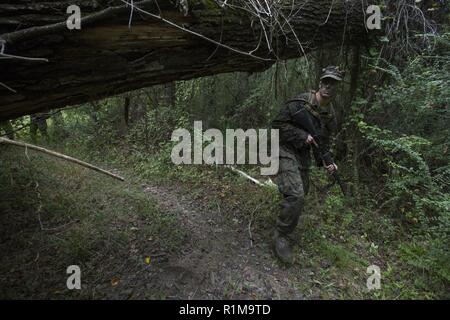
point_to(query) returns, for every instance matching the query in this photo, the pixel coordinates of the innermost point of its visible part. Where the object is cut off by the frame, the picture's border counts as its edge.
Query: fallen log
(44, 65)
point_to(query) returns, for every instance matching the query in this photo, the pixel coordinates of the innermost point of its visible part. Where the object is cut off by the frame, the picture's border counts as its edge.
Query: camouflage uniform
(295, 158)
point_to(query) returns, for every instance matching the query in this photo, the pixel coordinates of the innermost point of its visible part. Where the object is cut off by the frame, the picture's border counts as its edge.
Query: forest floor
(205, 254)
(182, 233)
(218, 259)
(132, 240)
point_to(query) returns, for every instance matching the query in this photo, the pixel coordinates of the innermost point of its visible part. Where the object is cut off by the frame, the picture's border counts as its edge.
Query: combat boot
(282, 248)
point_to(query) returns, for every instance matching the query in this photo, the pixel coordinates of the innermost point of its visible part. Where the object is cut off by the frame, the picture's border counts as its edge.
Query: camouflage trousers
(293, 183)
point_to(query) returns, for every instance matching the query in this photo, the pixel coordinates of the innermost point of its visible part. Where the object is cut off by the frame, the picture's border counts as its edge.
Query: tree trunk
(106, 57)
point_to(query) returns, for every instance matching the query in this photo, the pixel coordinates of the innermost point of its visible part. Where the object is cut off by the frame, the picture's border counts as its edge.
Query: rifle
(304, 119)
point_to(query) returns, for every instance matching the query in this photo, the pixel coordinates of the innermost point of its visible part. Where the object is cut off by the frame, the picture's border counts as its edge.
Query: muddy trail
(217, 259)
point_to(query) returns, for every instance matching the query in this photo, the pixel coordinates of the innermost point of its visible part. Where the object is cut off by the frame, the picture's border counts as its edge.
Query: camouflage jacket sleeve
(289, 133)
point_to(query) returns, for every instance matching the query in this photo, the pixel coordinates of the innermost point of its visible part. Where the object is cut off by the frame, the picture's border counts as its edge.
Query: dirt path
(217, 260)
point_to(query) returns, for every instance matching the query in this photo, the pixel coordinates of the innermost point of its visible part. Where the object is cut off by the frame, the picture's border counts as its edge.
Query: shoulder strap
(307, 104)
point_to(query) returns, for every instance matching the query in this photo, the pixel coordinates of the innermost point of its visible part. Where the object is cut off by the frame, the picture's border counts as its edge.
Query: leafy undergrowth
(55, 214)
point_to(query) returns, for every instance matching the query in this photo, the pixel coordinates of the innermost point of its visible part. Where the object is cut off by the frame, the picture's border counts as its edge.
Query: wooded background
(392, 146)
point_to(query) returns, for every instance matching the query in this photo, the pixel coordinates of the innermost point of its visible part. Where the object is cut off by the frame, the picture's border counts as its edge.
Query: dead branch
(246, 176)
(268, 183)
(59, 155)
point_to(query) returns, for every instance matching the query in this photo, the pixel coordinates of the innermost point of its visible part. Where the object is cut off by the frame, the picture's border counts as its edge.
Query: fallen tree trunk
(107, 57)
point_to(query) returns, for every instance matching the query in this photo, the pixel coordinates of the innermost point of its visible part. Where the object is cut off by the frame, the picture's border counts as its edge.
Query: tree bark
(106, 57)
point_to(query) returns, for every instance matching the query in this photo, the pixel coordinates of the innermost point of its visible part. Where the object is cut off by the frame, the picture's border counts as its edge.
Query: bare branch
(58, 155)
(9, 88)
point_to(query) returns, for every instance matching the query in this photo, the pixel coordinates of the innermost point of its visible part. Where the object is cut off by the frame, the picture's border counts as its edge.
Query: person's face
(328, 87)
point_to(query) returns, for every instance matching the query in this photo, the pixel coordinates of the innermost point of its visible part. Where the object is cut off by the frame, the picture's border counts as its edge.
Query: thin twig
(131, 14)
(3, 55)
(329, 13)
(221, 36)
(9, 88)
(11, 56)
